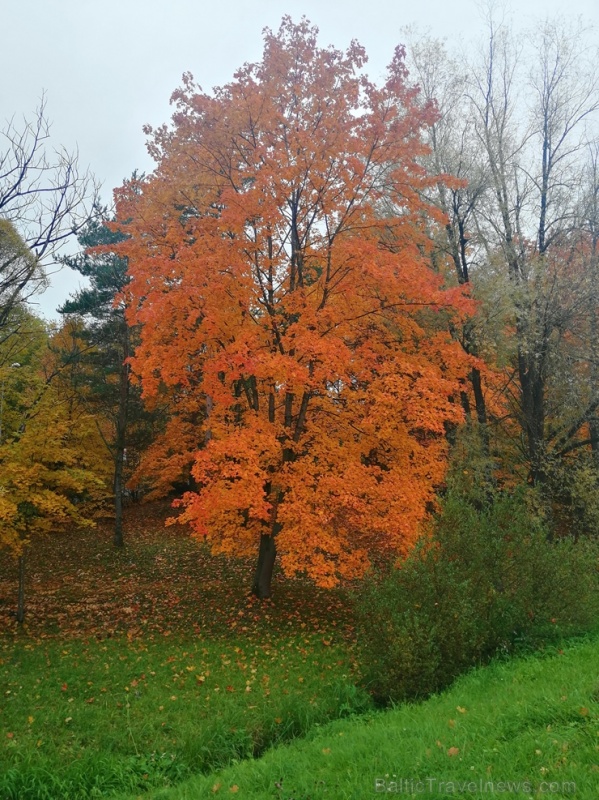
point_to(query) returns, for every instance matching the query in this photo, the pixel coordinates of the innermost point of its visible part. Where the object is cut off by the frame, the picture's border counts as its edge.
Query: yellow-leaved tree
(47, 469)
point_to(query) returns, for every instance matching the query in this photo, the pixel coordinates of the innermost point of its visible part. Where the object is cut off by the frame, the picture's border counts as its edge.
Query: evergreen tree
(105, 344)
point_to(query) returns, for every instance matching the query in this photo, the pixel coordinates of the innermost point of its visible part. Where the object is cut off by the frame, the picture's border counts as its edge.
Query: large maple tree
(280, 279)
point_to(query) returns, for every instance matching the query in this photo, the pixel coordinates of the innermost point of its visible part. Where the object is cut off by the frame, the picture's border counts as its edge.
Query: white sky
(109, 67)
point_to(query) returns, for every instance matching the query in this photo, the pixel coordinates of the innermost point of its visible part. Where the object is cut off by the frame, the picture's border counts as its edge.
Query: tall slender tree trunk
(121, 442)
(532, 404)
(21, 593)
(470, 345)
(457, 240)
(118, 498)
(594, 395)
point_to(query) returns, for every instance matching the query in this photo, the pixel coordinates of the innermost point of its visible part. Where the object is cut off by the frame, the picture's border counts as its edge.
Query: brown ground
(163, 581)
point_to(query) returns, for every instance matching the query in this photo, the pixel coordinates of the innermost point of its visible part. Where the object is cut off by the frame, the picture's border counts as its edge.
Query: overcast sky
(109, 67)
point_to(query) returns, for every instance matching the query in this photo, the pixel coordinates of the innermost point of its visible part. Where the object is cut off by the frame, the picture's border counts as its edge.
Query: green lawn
(85, 719)
(143, 673)
(143, 667)
(527, 728)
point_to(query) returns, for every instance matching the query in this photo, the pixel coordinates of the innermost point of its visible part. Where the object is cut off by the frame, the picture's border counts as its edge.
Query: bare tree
(586, 246)
(516, 123)
(45, 197)
(455, 152)
(533, 128)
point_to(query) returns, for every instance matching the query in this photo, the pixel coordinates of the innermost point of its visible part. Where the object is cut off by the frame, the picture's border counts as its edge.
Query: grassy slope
(533, 720)
(85, 719)
(145, 666)
(125, 632)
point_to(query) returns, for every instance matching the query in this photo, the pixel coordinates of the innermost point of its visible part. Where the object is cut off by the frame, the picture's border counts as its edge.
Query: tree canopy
(279, 272)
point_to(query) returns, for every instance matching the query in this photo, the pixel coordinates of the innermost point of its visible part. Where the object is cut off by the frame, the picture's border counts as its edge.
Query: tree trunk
(118, 498)
(594, 394)
(594, 324)
(267, 551)
(21, 595)
(121, 441)
(267, 554)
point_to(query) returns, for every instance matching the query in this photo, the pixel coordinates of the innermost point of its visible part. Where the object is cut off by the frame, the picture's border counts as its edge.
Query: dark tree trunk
(121, 441)
(21, 595)
(532, 387)
(267, 551)
(267, 554)
(594, 396)
(118, 498)
(479, 398)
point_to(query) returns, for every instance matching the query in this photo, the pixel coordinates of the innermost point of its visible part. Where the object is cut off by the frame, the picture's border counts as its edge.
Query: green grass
(111, 637)
(130, 679)
(83, 720)
(533, 722)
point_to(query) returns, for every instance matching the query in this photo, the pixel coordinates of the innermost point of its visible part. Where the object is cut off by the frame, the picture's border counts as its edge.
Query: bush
(486, 580)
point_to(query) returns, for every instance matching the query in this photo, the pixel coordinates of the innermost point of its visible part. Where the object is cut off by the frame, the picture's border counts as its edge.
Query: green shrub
(487, 580)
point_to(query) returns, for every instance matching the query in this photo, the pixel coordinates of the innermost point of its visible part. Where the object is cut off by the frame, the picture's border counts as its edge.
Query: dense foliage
(304, 326)
(487, 581)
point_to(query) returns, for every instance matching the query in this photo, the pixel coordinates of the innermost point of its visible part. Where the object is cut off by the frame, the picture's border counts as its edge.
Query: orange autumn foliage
(279, 269)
